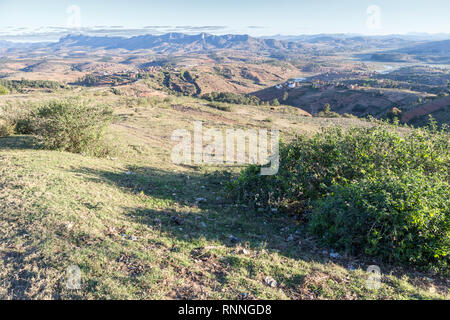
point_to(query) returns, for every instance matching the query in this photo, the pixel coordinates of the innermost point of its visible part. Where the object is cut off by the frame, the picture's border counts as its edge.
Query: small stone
(244, 251)
(156, 221)
(176, 220)
(335, 255)
(133, 238)
(202, 224)
(271, 282)
(233, 239)
(290, 238)
(274, 210)
(200, 200)
(128, 173)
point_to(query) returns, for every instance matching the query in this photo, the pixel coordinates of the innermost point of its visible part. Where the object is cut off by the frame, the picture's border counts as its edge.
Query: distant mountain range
(354, 36)
(174, 42)
(384, 48)
(429, 52)
(434, 47)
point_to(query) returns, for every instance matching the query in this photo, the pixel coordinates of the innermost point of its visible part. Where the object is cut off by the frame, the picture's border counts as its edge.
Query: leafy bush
(400, 219)
(24, 125)
(220, 106)
(7, 128)
(3, 90)
(316, 173)
(20, 85)
(72, 126)
(327, 113)
(18, 114)
(233, 98)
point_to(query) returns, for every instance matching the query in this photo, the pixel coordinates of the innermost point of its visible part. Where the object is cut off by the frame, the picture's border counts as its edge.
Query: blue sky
(257, 18)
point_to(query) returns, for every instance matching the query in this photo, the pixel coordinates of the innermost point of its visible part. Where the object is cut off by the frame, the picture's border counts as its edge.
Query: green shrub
(275, 102)
(3, 90)
(220, 106)
(327, 113)
(400, 219)
(20, 85)
(233, 98)
(24, 125)
(72, 126)
(7, 128)
(374, 159)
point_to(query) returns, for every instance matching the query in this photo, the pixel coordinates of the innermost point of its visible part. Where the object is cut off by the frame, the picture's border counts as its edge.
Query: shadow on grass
(176, 210)
(19, 142)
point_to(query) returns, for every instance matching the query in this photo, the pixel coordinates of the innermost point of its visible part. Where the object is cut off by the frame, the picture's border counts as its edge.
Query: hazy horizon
(48, 20)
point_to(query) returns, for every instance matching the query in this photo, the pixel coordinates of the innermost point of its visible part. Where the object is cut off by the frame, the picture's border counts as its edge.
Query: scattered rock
(176, 220)
(233, 239)
(274, 210)
(133, 238)
(271, 282)
(244, 251)
(335, 255)
(128, 173)
(200, 200)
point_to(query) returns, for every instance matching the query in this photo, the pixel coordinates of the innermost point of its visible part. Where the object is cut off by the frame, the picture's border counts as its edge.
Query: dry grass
(133, 227)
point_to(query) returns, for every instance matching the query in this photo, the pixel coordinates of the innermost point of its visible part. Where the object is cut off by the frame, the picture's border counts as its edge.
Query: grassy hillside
(131, 222)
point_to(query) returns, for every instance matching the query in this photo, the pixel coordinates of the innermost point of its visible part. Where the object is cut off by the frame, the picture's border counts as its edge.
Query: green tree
(275, 102)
